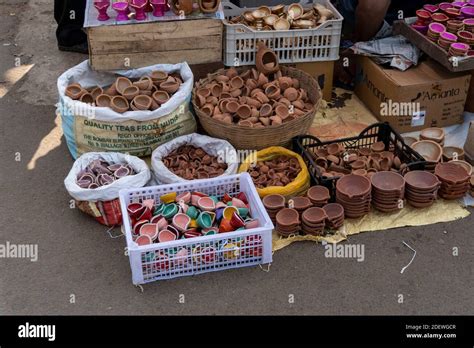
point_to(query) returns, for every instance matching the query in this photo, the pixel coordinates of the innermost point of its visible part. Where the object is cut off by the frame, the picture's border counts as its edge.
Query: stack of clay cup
(455, 180)
(353, 192)
(318, 195)
(288, 222)
(335, 215)
(273, 204)
(421, 188)
(388, 190)
(313, 221)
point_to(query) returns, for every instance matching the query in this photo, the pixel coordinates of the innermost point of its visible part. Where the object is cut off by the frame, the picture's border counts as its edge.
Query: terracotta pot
(74, 91)
(142, 102)
(119, 104)
(121, 83)
(161, 97)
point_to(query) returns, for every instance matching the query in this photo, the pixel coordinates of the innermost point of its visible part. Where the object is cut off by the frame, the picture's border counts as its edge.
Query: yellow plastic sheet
(441, 211)
(297, 187)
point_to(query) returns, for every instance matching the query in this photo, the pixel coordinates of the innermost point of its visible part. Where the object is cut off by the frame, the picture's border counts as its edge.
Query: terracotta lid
(314, 215)
(388, 181)
(429, 149)
(287, 217)
(353, 185)
(451, 173)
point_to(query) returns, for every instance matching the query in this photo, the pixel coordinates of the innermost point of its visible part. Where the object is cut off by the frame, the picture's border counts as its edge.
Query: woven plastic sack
(102, 203)
(297, 187)
(214, 147)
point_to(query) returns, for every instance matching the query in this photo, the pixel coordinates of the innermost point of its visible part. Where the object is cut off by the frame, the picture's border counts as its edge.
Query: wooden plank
(189, 43)
(157, 30)
(430, 48)
(138, 60)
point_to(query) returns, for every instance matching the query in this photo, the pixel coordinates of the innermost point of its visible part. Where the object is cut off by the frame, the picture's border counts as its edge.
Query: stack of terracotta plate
(273, 204)
(353, 192)
(454, 180)
(335, 215)
(288, 222)
(421, 188)
(388, 190)
(313, 221)
(318, 195)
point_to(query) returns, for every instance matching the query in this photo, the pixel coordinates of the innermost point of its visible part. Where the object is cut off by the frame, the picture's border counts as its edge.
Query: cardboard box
(323, 72)
(423, 96)
(470, 95)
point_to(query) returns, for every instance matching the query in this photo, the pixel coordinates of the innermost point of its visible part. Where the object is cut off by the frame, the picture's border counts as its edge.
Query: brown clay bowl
(463, 164)
(287, 217)
(433, 133)
(313, 215)
(353, 185)
(388, 182)
(301, 203)
(334, 211)
(449, 152)
(420, 180)
(451, 173)
(318, 193)
(430, 150)
(274, 202)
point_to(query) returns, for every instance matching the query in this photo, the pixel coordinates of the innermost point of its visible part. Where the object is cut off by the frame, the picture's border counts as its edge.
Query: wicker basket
(246, 138)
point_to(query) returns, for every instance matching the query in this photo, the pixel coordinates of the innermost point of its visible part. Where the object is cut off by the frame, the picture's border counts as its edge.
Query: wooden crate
(129, 46)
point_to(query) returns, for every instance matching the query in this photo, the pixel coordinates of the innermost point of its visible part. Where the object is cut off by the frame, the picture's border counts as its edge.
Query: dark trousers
(69, 14)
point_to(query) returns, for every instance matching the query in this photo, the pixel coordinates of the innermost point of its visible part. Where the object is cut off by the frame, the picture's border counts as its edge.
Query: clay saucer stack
(318, 195)
(421, 188)
(388, 188)
(353, 192)
(273, 204)
(454, 180)
(287, 222)
(313, 221)
(335, 215)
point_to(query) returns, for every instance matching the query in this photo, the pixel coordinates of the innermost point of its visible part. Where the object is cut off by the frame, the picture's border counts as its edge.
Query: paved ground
(77, 257)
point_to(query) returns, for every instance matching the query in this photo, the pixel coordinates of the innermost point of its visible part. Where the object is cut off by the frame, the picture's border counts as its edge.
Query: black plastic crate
(306, 145)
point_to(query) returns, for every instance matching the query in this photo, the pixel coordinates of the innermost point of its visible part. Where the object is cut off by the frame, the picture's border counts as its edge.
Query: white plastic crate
(207, 253)
(291, 46)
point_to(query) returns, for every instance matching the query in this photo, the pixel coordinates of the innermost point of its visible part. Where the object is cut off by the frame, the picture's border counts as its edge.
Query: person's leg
(69, 14)
(347, 9)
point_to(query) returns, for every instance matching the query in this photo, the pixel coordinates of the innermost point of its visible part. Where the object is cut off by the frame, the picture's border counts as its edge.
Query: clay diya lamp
(181, 222)
(435, 134)
(74, 91)
(160, 221)
(300, 203)
(121, 83)
(166, 236)
(353, 186)
(130, 92)
(139, 6)
(96, 92)
(421, 181)
(150, 230)
(334, 211)
(159, 7)
(87, 98)
(169, 86)
(430, 150)
(452, 152)
(423, 16)
(466, 37)
(378, 146)
(204, 220)
(458, 49)
(431, 8)
(184, 197)
(463, 164)
(143, 240)
(119, 104)
(314, 216)
(135, 209)
(206, 204)
(452, 12)
(161, 97)
(158, 76)
(101, 7)
(266, 60)
(468, 11)
(209, 6)
(122, 9)
(142, 102)
(170, 210)
(318, 194)
(287, 218)
(439, 18)
(450, 173)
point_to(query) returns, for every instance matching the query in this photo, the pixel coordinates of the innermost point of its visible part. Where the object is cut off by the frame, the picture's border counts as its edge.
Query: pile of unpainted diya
(256, 98)
(334, 160)
(388, 191)
(188, 215)
(102, 173)
(190, 162)
(450, 25)
(281, 17)
(146, 93)
(299, 214)
(279, 171)
(455, 180)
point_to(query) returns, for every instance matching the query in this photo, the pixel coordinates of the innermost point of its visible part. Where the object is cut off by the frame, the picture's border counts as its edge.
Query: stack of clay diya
(288, 222)
(431, 151)
(335, 215)
(318, 195)
(455, 180)
(281, 18)
(279, 171)
(188, 215)
(102, 173)
(353, 192)
(421, 188)
(255, 98)
(146, 93)
(388, 190)
(273, 204)
(190, 163)
(313, 221)
(333, 161)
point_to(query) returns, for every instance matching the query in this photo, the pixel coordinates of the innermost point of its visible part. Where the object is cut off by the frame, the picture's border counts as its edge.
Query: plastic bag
(297, 187)
(215, 147)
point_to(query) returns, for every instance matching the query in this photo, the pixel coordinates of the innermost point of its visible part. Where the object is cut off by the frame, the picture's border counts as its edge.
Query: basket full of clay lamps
(255, 108)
